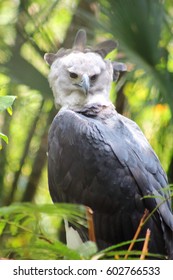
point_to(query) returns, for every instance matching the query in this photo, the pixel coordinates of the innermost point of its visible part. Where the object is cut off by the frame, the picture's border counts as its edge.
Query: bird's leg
(145, 246)
(91, 231)
(142, 221)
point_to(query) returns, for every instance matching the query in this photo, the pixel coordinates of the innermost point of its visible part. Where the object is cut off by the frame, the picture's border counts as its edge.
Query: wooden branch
(142, 221)
(145, 246)
(91, 231)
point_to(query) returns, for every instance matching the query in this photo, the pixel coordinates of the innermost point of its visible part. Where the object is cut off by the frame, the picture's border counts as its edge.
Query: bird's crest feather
(79, 44)
(80, 40)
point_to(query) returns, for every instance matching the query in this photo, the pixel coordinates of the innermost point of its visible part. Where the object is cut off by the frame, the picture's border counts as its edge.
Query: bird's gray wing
(145, 167)
(147, 171)
(65, 153)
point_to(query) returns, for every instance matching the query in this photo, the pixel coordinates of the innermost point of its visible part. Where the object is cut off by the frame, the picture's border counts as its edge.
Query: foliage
(24, 236)
(28, 30)
(6, 103)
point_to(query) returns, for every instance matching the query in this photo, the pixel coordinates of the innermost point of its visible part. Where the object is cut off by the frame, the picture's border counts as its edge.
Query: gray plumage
(101, 159)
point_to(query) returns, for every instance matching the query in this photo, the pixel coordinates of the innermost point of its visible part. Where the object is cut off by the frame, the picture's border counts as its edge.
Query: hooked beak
(85, 83)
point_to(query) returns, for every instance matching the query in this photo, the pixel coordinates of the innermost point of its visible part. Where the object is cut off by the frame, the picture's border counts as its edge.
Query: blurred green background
(29, 29)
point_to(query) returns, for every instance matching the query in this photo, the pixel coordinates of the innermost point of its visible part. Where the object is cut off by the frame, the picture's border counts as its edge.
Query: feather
(80, 40)
(105, 47)
(50, 58)
(73, 238)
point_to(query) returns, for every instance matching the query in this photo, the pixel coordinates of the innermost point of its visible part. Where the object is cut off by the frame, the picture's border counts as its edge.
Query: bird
(101, 159)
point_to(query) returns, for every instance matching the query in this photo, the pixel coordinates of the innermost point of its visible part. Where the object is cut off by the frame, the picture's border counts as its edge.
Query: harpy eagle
(101, 159)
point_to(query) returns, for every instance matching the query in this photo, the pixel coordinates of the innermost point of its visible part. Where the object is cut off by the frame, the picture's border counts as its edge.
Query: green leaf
(10, 110)
(4, 137)
(6, 102)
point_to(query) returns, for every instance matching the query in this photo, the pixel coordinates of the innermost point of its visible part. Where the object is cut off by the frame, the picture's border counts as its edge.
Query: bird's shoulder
(70, 126)
(96, 126)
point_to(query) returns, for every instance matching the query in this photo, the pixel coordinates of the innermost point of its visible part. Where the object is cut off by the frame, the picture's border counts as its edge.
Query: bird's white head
(81, 76)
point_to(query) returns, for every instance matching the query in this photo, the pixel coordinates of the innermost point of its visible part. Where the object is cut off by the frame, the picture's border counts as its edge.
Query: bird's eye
(73, 75)
(93, 78)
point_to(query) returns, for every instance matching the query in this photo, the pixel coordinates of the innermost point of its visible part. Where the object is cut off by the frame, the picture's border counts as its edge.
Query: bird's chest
(96, 176)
